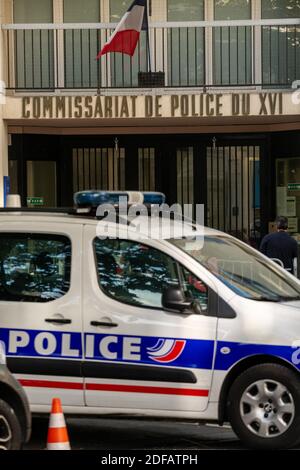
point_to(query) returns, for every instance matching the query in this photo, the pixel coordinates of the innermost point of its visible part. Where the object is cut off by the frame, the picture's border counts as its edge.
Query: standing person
(280, 245)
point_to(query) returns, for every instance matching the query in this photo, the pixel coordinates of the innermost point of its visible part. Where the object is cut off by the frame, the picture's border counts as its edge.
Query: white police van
(203, 329)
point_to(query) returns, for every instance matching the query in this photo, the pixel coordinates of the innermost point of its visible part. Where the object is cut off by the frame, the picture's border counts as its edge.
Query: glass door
(288, 192)
(41, 183)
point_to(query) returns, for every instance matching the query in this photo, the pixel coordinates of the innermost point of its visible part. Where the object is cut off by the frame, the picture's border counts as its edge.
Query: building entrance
(190, 169)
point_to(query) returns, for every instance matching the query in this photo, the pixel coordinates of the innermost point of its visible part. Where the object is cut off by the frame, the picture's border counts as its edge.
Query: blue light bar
(96, 198)
(154, 198)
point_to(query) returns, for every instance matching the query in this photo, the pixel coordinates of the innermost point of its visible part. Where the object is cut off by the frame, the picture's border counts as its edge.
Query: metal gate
(146, 165)
(98, 168)
(185, 175)
(233, 191)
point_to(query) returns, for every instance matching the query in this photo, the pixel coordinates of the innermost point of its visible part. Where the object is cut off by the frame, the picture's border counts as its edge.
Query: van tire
(252, 401)
(9, 423)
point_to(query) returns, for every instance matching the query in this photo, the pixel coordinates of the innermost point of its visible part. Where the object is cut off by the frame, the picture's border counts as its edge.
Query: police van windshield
(241, 268)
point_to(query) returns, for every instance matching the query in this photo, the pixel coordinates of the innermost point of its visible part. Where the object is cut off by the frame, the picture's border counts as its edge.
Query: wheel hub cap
(267, 408)
(5, 433)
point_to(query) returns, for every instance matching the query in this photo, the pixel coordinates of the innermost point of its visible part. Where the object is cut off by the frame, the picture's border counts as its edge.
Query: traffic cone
(57, 432)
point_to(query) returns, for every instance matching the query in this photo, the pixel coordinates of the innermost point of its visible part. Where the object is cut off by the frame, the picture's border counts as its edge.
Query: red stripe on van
(144, 389)
(115, 388)
(51, 384)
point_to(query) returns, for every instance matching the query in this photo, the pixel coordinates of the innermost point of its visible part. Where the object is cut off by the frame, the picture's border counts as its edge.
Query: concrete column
(3, 125)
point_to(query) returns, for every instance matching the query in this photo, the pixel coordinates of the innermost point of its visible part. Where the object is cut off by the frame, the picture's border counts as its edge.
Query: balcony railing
(49, 57)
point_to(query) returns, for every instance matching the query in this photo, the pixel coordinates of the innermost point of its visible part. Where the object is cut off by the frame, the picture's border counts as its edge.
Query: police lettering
(113, 347)
(47, 344)
(42, 343)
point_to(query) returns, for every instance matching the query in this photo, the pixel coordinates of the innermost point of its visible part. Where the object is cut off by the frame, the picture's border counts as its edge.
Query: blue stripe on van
(148, 350)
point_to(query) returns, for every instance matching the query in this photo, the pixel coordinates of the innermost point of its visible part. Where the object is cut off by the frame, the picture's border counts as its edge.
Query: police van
(199, 328)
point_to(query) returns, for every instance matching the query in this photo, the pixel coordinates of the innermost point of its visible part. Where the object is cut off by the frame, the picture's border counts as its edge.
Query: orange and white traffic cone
(57, 433)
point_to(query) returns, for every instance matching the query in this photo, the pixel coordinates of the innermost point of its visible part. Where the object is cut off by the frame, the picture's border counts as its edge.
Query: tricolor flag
(127, 33)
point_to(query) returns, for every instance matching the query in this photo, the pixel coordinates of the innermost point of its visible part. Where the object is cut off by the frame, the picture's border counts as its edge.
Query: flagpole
(148, 41)
(149, 52)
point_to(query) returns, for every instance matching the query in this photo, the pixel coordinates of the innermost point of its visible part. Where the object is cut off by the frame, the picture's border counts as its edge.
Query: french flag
(127, 33)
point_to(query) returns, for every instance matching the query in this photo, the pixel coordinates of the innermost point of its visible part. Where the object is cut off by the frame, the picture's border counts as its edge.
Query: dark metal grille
(33, 59)
(233, 191)
(186, 56)
(233, 55)
(81, 70)
(146, 169)
(185, 175)
(280, 54)
(65, 58)
(98, 168)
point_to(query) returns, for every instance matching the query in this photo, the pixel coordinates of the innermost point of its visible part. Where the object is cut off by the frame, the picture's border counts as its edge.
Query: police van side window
(137, 274)
(34, 267)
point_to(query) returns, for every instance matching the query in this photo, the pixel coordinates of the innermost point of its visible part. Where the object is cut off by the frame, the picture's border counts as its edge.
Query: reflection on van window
(134, 273)
(34, 267)
(240, 267)
(138, 274)
(194, 288)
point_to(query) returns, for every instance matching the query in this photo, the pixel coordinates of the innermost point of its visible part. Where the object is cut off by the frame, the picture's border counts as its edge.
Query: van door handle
(58, 321)
(104, 323)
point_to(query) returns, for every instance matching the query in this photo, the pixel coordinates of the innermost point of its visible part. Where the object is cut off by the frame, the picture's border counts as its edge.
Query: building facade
(217, 123)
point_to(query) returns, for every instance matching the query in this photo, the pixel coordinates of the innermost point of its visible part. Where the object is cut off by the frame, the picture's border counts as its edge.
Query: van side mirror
(174, 300)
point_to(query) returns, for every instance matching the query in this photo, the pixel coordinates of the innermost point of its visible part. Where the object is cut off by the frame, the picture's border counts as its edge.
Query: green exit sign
(294, 186)
(35, 201)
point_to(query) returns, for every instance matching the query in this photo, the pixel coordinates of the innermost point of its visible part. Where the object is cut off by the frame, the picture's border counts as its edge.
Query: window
(82, 46)
(280, 44)
(41, 181)
(33, 11)
(77, 11)
(244, 270)
(34, 267)
(137, 274)
(232, 44)
(34, 49)
(280, 9)
(186, 45)
(194, 288)
(185, 10)
(232, 10)
(124, 69)
(118, 8)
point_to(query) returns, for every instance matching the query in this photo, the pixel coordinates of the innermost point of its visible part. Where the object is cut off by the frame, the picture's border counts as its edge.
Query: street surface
(107, 434)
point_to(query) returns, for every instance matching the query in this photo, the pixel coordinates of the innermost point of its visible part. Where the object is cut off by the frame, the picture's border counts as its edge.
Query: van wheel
(264, 407)
(10, 429)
